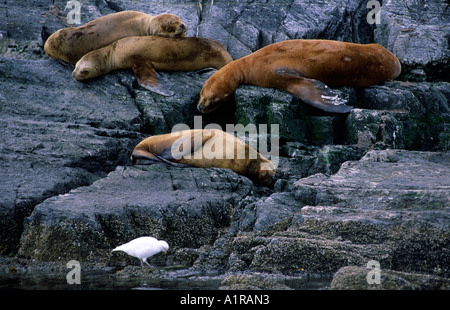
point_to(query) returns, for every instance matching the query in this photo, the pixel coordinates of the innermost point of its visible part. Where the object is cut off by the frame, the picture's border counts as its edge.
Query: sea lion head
(88, 67)
(266, 173)
(207, 104)
(167, 25)
(214, 93)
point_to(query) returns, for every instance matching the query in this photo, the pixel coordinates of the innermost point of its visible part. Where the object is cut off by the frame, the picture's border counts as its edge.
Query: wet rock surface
(370, 185)
(356, 278)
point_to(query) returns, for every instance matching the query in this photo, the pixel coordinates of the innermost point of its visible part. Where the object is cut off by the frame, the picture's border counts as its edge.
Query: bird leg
(144, 261)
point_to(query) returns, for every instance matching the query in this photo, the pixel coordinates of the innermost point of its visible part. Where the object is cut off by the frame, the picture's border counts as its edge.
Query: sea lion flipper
(319, 95)
(313, 92)
(148, 78)
(154, 158)
(169, 163)
(186, 145)
(141, 154)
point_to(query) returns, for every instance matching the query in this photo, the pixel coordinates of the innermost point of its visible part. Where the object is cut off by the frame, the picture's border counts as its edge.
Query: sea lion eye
(84, 72)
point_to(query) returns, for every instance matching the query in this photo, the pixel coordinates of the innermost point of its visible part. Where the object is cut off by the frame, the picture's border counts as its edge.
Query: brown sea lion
(205, 149)
(304, 68)
(146, 55)
(70, 44)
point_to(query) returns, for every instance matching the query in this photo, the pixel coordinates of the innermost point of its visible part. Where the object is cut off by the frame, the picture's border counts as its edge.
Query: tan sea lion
(304, 68)
(205, 149)
(147, 54)
(70, 44)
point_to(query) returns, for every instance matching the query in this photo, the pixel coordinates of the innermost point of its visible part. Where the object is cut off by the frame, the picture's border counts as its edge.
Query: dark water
(98, 281)
(101, 280)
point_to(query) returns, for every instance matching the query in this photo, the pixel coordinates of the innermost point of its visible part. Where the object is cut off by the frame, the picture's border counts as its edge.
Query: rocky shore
(372, 185)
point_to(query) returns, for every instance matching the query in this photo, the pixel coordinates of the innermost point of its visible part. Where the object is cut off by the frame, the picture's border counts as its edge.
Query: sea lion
(304, 68)
(70, 44)
(204, 148)
(146, 54)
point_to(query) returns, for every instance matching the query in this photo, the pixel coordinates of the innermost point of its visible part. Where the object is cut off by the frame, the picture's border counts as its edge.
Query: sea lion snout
(80, 74)
(76, 75)
(181, 30)
(205, 106)
(208, 103)
(201, 108)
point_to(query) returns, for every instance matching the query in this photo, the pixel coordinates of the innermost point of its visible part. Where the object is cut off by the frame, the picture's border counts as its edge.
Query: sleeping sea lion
(70, 44)
(306, 69)
(205, 149)
(146, 55)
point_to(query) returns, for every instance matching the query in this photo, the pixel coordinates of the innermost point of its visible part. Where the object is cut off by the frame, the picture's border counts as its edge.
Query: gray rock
(417, 33)
(369, 210)
(395, 115)
(252, 282)
(355, 278)
(375, 200)
(401, 115)
(294, 255)
(186, 207)
(373, 180)
(271, 213)
(246, 26)
(51, 146)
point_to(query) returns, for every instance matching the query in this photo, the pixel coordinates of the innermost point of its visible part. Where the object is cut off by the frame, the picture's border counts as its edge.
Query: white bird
(143, 248)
